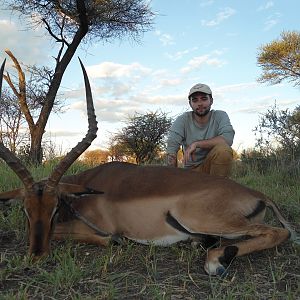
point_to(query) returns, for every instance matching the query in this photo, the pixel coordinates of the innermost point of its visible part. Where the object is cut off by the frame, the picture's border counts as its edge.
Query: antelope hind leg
(261, 237)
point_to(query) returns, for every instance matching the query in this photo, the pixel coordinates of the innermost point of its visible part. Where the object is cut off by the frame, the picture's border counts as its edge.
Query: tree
(282, 129)
(11, 121)
(118, 151)
(95, 157)
(29, 97)
(144, 135)
(69, 23)
(280, 59)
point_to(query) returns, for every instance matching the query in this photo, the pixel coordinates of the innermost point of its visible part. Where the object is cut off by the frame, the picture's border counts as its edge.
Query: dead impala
(146, 204)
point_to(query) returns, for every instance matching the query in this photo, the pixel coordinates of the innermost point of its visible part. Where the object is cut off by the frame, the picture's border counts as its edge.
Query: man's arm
(174, 141)
(210, 143)
(204, 144)
(171, 160)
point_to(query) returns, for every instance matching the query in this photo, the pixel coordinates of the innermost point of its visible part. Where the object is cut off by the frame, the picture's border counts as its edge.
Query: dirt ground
(133, 271)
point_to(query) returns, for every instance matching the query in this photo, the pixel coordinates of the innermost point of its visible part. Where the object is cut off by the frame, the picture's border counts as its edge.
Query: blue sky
(212, 42)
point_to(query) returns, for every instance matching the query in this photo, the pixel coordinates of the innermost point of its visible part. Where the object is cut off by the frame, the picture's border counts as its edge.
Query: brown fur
(137, 200)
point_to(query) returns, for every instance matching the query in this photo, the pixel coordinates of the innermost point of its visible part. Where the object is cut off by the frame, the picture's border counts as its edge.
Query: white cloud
(160, 100)
(266, 6)
(262, 104)
(253, 109)
(207, 3)
(236, 87)
(61, 133)
(269, 24)
(125, 82)
(199, 61)
(179, 54)
(110, 110)
(28, 46)
(220, 17)
(119, 89)
(115, 70)
(171, 82)
(272, 21)
(165, 38)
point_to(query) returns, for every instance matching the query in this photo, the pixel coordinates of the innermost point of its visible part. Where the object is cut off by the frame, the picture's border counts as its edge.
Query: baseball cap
(201, 88)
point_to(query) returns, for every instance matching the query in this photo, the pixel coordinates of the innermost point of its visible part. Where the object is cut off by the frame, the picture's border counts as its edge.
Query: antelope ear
(76, 189)
(10, 195)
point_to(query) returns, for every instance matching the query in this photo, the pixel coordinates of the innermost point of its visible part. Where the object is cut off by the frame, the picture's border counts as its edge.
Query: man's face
(201, 103)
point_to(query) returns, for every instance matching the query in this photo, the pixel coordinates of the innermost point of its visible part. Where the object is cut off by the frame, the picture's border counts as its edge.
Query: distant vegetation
(277, 141)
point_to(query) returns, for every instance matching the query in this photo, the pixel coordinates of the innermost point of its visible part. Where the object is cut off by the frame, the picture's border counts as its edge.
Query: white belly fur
(163, 241)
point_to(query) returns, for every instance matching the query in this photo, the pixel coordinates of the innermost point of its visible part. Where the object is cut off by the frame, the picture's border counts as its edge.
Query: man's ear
(211, 100)
(76, 189)
(10, 195)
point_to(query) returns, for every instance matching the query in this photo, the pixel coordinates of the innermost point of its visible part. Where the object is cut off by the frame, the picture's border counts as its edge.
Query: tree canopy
(69, 23)
(101, 19)
(144, 134)
(282, 129)
(95, 157)
(280, 59)
(11, 120)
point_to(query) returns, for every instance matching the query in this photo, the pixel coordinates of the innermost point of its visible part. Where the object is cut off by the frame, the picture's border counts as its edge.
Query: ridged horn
(75, 152)
(10, 158)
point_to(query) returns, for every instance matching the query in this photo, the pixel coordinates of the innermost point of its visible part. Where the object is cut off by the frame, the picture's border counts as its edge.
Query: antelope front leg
(78, 231)
(261, 237)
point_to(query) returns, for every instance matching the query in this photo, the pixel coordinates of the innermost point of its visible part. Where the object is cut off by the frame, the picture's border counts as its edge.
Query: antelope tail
(294, 236)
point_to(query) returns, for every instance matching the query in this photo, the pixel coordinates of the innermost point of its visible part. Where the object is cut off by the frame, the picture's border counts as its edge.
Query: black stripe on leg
(261, 205)
(230, 253)
(209, 241)
(176, 225)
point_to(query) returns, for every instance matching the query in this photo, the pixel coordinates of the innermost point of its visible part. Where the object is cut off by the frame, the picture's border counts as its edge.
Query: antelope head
(41, 199)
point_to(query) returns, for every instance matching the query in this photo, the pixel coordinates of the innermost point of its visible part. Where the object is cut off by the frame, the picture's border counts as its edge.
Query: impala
(147, 204)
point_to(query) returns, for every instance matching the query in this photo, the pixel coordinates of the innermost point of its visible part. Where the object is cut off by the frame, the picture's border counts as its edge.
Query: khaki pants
(217, 162)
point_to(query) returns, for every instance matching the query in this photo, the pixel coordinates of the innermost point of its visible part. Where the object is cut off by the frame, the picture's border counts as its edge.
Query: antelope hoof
(221, 271)
(218, 258)
(215, 268)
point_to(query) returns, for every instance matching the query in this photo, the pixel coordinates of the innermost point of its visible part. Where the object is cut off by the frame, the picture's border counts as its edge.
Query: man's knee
(221, 153)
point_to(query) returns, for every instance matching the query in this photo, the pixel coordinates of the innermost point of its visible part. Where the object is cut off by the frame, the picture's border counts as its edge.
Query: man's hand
(189, 153)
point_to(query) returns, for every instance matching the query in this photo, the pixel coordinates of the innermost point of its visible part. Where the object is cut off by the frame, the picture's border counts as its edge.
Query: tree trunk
(36, 151)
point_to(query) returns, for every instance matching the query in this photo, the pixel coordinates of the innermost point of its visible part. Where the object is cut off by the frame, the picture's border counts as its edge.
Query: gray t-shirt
(185, 130)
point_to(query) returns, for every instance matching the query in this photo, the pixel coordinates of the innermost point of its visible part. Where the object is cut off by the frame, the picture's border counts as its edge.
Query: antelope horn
(12, 161)
(68, 160)
(1, 75)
